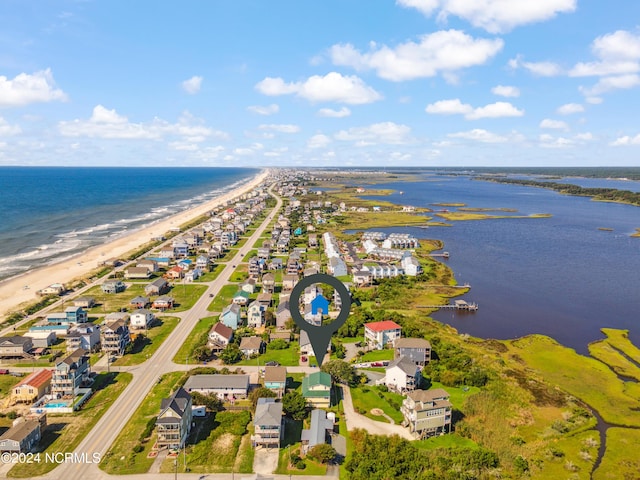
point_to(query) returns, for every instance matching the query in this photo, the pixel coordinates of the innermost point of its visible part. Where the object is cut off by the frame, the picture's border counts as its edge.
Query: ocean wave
(42, 252)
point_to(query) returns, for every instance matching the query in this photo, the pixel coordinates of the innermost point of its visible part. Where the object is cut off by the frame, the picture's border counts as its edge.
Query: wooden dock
(443, 254)
(457, 305)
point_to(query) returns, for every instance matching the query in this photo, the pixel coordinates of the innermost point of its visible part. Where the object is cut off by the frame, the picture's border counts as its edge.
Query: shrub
(520, 464)
(138, 448)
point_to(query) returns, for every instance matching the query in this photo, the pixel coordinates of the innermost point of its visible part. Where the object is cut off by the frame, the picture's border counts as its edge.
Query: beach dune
(13, 291)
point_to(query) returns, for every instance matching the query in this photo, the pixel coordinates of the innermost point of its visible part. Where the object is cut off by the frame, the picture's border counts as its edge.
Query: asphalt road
(146, 375)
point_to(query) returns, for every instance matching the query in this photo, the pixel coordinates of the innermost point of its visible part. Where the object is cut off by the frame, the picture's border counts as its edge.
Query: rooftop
(382, 326)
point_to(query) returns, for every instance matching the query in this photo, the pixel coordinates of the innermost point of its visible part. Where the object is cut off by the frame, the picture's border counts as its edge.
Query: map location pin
(320, 336)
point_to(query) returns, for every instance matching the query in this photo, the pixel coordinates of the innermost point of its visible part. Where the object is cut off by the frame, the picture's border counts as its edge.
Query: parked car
(272, 364)
(4, 371)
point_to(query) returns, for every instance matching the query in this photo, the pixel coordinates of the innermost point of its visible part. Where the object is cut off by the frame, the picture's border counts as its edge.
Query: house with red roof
(379, 334)
(32, 387)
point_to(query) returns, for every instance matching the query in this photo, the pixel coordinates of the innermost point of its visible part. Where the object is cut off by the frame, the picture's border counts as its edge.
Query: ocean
(52, 213)
(560, 276)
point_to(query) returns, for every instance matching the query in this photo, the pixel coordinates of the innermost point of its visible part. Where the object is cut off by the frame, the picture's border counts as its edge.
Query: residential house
(193, 275)
(203, 262)
(310, 317)
(240, 298)
(267, 423)
(168, 252)
(225, 387)
(427, 412)
(254, 267)
(337, 267)
(149, 264)
(16, 346)
(251, 346)
(411, 266)
(139, 302)
(22, 437)
(313, 240)
(219, 337)
(276, 264)
(264, 299)
(158, 287)
(275, 378)
(418, 350)
(180, 248)
(142, 318)
(316, 389)
(70, 374)
(293, 268)
(230, 316)
(255, 314)
(137, 272)
(285, 335)
(283, 314)
(42, 338)
(362, 277)
(379, 334)
(402, 375)
(268, 283)
(249, 285)
(113, 316)
(305, 344)
(311, 292)
(264, 252)
(114, 337)
(163, 303)
(33, 387)
(319, 426)
(84, 302)
(85, 336)
(175, 273)
(289, 281)
(174, 421)
(113, 286)
(307, 272)
(53, 289)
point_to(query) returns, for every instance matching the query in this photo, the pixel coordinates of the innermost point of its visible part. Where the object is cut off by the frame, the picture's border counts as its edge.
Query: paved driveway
(355, 420)
(265, 460)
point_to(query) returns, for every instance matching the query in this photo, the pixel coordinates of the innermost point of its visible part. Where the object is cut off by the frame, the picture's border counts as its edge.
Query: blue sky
(320, 82)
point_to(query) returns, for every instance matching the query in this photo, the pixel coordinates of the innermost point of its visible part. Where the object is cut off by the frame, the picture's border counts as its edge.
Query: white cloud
(318, 141)
(608, 84)
(492, 110)
(183, 146)
(251, 150)
(506, 91)
(569, 108)
(618, 53)
(7, 130)
(264, 110)
(554, 124)
(494, 16)
(626, 141)
(281, 128)
(25, 89)
(443, 52)
(109, 124)
(331, 113)
(192, 85)
(549, 141)
(333, 87)
(479, 135)
(384, 132)
(593, 100)
(540, 69)
(587, 136)
(449, 107)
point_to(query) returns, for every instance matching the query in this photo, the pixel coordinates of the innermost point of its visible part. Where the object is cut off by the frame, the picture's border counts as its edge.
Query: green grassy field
(212, 275)
(445, 441)
(196, 338)
(457, 395)
(367, 398)
(287, 357)
(6, 384)
(621, 459)
(113, 462)
(377, 355)
(65, 432)
(223, 298)
(154, 338)
(219, 450)
(185, 297)
(311, 467)
(585, 378)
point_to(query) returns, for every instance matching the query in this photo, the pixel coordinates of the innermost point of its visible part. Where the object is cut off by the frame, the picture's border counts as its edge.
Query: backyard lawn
(223, 298)
(367, 398)
(287, 357)
(377, 355)
(150, 343)
(212, 275)
(65, 432)
(196, 338)
(185, 297)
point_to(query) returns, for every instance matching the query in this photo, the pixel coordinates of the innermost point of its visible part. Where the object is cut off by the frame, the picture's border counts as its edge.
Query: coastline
(13, 293)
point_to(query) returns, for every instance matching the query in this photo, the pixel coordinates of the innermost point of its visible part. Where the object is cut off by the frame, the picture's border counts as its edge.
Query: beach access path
(13, 292)
(106, 430)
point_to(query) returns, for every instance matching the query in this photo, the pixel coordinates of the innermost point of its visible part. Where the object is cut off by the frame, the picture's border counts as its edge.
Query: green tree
(294, 405)
(341, 372)
(278, 344)
(201, 353)
(211, 402)
(322, 453)
(260, 392)
(231, 354)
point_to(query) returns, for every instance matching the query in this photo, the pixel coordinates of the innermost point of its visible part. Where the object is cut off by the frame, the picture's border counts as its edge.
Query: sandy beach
(13, 293)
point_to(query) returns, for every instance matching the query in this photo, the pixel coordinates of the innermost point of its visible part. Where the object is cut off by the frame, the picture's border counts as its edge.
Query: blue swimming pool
(56, 405)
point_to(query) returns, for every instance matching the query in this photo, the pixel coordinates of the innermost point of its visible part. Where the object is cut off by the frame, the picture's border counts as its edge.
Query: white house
(255, 314)
(411, 266)
(141, 318)
(402, 375)
(379, 334)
